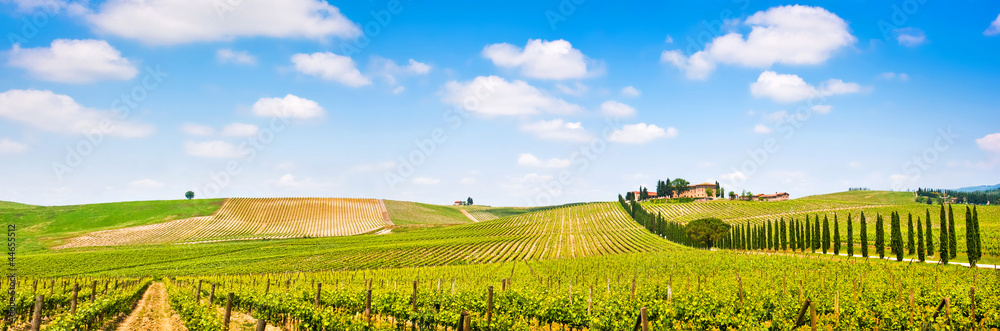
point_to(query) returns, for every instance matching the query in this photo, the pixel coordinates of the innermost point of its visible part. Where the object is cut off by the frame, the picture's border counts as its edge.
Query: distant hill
(979, 188)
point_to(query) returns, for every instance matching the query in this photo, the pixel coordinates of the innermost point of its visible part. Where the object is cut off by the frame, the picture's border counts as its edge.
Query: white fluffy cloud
(240, 130)
(183, 21)
(892, 76)
(145, 183)
(541, 59)
(762, 129)
(426, 181)
(822, 109)
(8, 146)
(226, 55)
(990, 142)
(910, 37)
(212, 149)
(641, 133)
(389, 70)
(330, 66)
(994, 28)
(613, 108)
(60, 113)
(528, 160)
(493, 96)
(577, 89)
(795, 35)
(289, 106)
(630, 91)
(197, 129)
(73, 61)
(788, 88)
(557, 129)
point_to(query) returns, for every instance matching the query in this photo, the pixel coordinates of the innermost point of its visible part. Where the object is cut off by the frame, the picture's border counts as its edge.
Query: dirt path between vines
(466, 213)
(153, 313)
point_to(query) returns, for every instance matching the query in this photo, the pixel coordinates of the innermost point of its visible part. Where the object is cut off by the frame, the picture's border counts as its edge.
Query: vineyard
(252, 218)
(577, 231)
(678, 290)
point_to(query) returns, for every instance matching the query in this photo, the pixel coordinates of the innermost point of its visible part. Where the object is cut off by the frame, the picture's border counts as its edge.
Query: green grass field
(40, 227)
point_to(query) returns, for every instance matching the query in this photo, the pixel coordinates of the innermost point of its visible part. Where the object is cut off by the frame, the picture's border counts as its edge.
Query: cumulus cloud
(793, 35)
(577, 89)
(990, 142)
(8, 146)
(426, 181)
(892, 76)
(494, 96)
(48, 111)
(613, 108)
(289, 106)
(733, 177)
(822, 109)
(910, 37)
(240, 130)
(528, 160)
(762, 129)
(557, 129)
(166, 22)
(389, 70)
(994, 28)
(226, 55)
(212, 149)
(786, 88)
(330, 66)
(630, 91)
(145, 183)
(197, 129)
(73, 61)
(541, 59)
(641, 133)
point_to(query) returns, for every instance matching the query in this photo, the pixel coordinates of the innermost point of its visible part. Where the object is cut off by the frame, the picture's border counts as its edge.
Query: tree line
(813, 235)
(976, 198)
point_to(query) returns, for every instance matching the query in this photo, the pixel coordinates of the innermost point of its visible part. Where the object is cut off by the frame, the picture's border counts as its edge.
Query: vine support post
(72, 304)
(489, 307)
(93, 291)
(228, 313)
(319, 289)
(36, 316)
(211, 295)
(368, 307)
(261, 325)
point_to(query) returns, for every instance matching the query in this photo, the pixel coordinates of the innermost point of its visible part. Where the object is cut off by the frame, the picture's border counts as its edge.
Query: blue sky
(509, 102)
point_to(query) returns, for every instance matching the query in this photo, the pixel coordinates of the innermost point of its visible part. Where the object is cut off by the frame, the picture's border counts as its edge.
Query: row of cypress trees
(657, 224)
(813, 235)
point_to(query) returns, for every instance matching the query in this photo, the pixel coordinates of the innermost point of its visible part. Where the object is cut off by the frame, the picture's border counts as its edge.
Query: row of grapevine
(681, 289)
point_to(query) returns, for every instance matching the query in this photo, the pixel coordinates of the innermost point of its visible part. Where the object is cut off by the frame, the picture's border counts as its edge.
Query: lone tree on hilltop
(680, 186)
(189, 195)
(469, 201)
(707, 230)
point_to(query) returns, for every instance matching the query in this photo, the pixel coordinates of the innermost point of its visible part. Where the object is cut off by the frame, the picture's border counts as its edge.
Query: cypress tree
(836, 236)
(826, 234)
(879, 236)
(770, 238)
(863, 227)
(920, 241)
(910, 244)
(784, 235)
(747, 233)
(850, 236)
(970, 240)
(953, 241)
(897, 239)
(791, 234)
(777, 236)
(808, 230)
(944, 238)
(816, 234)
(802, 237)
(930, 234)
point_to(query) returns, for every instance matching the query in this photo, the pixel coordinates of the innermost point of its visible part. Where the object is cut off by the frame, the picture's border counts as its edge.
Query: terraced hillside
(253, 218)
(594, 229)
